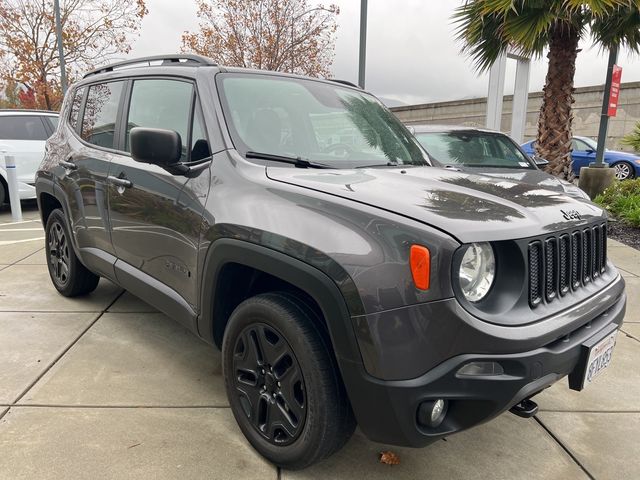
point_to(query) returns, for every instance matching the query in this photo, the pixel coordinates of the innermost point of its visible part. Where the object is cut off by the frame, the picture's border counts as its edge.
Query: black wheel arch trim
(310, 279)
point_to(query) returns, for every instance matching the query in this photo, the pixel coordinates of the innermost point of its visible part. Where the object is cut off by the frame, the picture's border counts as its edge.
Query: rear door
(156, 216)
(24, 136)
(85, 166)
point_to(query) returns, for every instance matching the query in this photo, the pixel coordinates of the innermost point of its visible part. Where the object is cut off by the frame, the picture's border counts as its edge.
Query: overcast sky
(412, 56)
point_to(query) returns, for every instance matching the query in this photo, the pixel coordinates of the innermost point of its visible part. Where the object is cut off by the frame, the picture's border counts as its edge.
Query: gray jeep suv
(298, 226)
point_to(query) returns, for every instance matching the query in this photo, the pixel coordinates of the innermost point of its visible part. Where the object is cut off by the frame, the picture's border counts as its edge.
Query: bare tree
(93, 32)
(281, 35)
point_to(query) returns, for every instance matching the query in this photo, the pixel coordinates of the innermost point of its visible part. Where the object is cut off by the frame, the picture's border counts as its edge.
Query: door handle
(68, 165)
(120, 182)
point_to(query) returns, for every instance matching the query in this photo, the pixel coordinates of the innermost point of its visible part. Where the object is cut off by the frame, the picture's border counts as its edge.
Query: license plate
(599, 358)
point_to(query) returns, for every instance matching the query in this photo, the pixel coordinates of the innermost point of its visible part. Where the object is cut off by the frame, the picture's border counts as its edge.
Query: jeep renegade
(298, 226)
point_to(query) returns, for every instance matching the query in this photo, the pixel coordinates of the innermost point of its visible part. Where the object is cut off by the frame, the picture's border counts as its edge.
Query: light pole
(363, 42)
(63, 75)
(604, 116)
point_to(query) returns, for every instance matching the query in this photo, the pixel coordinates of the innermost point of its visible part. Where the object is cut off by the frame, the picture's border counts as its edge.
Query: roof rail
(181, 59)
(345, 82)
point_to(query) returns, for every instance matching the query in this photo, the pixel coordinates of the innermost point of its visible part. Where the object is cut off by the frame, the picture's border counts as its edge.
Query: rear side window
(162, 104)
(22, 127)
(100, 113)
(75, 108)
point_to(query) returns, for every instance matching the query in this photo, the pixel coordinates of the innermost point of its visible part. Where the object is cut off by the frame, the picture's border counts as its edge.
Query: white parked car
(23, 134)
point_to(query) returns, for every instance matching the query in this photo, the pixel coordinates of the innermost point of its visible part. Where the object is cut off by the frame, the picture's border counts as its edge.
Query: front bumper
(386, 410)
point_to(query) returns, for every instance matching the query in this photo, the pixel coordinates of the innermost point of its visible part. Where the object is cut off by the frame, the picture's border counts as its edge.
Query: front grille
(559, 265)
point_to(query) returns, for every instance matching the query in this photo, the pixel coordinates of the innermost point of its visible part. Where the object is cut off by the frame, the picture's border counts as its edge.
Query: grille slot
(586, 256)
(559, 265)
(535, 273)
(576, 255)
(551, 271)
(564, 257)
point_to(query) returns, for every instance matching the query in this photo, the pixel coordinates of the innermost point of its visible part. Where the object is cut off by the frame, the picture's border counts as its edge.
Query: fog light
(477, 369)
(432, 413)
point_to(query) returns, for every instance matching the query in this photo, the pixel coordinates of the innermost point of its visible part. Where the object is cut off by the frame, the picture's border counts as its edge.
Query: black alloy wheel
(269, 383)
(68, 274)
(58, 254)
(283, 382)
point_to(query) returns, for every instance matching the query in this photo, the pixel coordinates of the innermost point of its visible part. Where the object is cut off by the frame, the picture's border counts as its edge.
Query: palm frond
(620, 27)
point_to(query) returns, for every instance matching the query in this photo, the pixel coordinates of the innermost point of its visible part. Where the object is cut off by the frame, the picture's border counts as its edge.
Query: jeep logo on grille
(571, 215)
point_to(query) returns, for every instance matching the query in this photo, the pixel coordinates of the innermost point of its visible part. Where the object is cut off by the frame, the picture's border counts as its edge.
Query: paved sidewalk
(107, 387)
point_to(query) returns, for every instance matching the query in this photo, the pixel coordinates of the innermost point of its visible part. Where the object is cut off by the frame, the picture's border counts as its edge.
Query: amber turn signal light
(420, 261)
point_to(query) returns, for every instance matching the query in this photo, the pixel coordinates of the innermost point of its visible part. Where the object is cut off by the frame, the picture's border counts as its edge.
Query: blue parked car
(627, 165)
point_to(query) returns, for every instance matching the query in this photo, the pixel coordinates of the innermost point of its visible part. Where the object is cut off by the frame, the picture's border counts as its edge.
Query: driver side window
(165, 104)
(579, 146)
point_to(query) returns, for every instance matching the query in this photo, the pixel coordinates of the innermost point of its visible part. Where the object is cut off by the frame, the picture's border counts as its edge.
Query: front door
(156, 216)
(581, 156)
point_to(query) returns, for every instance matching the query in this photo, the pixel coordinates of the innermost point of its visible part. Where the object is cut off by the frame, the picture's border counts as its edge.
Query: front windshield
(473, 149)
(320, 122)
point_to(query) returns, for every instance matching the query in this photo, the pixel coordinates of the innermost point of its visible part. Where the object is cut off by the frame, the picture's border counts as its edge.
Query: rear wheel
(70, 277)
(283, 384)
(3, 193)
(623, 170)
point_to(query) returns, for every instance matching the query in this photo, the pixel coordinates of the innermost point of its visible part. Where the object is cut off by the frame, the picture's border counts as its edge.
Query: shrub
(633, 139)
(622, 199)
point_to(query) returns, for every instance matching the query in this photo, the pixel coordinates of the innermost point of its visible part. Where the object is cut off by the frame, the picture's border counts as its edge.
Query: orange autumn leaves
(283, 35)
(93, 32)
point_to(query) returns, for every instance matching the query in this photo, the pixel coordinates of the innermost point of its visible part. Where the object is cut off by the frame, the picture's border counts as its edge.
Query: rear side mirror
(539, 161)
(156, 146)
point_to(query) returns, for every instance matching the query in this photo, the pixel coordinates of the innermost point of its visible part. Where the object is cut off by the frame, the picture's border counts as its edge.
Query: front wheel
(283, 383)
(70, 277)
(623, 170)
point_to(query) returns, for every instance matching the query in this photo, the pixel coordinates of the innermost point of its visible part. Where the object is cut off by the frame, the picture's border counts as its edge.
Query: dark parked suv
(298, 226)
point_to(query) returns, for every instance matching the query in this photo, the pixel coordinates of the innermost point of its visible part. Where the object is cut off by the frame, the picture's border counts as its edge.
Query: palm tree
(488, 28)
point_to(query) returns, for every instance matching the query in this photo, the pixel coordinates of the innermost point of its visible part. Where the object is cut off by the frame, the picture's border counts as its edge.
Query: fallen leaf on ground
(389, 458)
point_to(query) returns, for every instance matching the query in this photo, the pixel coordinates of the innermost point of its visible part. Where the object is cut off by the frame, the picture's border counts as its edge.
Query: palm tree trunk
(554, 124)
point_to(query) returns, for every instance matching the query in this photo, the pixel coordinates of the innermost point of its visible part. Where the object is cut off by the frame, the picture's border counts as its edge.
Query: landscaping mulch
(624, 233)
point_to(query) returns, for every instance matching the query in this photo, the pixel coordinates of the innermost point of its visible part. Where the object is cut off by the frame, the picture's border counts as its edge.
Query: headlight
(477, 271)
(574, 191)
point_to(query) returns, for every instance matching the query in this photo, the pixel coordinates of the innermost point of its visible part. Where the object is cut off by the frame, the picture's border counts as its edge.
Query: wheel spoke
(271, 344)
(64, 270)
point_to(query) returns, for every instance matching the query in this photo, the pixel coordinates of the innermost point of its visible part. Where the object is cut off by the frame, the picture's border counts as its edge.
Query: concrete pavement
(107, 387)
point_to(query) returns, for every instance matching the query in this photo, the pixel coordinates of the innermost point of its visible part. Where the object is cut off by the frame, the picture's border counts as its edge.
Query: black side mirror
(157, 146)
(539, 161)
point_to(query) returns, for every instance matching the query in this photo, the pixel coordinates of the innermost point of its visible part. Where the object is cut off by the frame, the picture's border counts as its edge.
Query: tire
(3, 193)
(623, 170)
(297, 412)
(70, 277)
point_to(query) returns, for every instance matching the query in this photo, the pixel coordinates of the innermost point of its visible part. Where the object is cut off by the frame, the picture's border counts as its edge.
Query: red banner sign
(614, 93)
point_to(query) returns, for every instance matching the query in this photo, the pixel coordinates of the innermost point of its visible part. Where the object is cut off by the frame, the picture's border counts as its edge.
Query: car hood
(468, 206)
(531, 176)
(618, 155)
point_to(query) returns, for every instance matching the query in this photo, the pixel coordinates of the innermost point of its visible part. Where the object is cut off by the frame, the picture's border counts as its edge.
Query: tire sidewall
(242, 317)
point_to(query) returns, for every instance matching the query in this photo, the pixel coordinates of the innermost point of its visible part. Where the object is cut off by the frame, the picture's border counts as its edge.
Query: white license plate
(599, 358)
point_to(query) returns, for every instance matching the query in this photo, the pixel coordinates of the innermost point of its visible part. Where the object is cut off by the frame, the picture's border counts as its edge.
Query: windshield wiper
(392, 164)
(297, 161)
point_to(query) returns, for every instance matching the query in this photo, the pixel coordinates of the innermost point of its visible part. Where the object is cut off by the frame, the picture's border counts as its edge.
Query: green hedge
(622, 199)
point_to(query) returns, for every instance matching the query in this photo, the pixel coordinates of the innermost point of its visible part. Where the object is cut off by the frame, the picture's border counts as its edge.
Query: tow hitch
(527, 408)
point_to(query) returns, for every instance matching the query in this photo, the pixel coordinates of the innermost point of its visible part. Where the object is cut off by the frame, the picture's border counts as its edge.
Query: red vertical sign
(614, 93)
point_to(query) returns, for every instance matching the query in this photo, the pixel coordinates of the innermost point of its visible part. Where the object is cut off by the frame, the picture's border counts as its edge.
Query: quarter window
(23, 127)
(162, 104)
(75, 107)
(100, 113)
